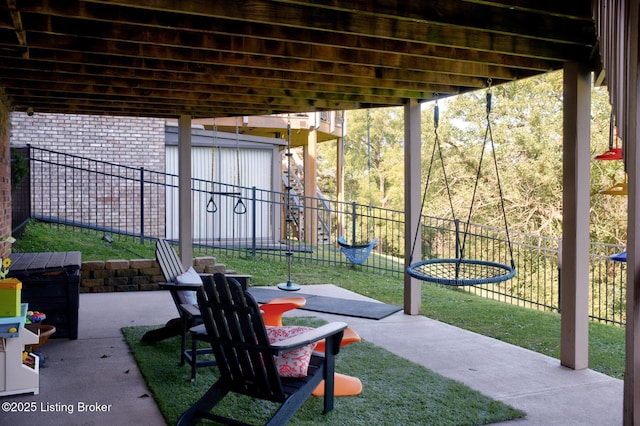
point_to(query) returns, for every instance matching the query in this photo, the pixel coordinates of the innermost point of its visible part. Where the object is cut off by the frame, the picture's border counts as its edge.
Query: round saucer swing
(461, 271)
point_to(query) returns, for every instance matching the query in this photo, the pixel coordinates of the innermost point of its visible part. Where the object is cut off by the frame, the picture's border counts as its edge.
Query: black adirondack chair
(246, 359)
(171, 268)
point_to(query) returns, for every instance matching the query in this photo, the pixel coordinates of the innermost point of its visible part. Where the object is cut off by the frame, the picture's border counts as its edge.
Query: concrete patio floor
(94, 380)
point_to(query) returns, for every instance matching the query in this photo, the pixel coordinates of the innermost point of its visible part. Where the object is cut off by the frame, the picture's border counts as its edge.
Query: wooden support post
(310, 188)
(412, 202)
(340, 179)
(631, 122)
(185, 217)
(574, 332)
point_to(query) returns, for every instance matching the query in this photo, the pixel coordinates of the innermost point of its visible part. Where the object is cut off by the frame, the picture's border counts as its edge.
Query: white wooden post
(185, 216)
(412, 202)
(574, 329)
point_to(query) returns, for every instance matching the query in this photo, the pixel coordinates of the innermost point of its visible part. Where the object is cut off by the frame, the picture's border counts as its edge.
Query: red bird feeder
(613, 153)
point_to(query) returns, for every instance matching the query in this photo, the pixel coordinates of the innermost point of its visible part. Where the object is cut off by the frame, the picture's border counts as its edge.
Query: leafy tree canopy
(526, 125)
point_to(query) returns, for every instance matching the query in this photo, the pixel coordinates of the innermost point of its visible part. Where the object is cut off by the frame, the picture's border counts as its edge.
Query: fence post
(141, 205)
(253, 222)
(456, 222)
(353, 223)
(560, 275)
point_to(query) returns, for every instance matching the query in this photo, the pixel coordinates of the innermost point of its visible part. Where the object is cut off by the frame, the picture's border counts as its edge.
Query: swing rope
(212, 207)
(488, 136)
(461, 271)
(288, 285)
(354, 252)
(436, 145)
(495, 164)
(240, 207)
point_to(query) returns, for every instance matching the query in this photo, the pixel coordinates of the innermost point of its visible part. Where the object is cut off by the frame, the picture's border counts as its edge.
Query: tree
(526, 124)
(373, 157)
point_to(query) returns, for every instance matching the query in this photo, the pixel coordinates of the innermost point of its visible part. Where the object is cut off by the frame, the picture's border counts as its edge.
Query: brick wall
(96, 192)
(134, 141)
(133, 275)
(5, 178)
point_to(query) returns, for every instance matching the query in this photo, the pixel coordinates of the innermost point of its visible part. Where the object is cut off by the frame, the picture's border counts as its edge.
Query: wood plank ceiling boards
(202, 58)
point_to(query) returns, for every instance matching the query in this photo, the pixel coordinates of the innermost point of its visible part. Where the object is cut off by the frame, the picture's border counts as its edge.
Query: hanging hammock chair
(619, 257)
(460, 271)
(358, 253)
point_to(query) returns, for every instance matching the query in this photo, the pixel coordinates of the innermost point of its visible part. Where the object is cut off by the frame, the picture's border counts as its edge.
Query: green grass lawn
(535, 330)
(395, 391)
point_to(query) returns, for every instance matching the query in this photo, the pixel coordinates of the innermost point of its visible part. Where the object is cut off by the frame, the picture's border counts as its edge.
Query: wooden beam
(185, 216)
(227, 35)
(21, 34)
(574, 333)
(572, 9)
(26, 79)
(350, 22)
(122, 52)
(134, 74)
(631, 412)
(412, 199)
(310, 151)
(483, 15)
(227, 58)
(626, 56)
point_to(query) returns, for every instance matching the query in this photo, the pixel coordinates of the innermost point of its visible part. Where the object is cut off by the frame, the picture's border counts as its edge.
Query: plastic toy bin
(10, 297)
(51, 284)
(10, 326)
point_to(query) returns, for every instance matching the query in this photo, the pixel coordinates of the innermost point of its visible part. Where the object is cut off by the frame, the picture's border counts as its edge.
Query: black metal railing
(20, 190)
(143, 204)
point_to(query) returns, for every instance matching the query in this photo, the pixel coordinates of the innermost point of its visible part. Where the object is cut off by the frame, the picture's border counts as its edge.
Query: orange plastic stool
(343, 385)
(275, 308)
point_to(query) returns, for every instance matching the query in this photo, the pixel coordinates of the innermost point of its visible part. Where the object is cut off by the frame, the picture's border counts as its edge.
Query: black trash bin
(51, 284)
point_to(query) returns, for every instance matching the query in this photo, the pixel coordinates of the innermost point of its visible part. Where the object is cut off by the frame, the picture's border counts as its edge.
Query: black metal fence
(236, 221)
(20, 190)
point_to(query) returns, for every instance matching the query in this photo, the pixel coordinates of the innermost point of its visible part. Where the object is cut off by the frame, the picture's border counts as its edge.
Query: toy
(4, 267)
(35, 316)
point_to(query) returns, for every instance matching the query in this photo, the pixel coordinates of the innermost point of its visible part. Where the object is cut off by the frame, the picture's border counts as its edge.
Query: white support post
(574, 328)
(310, 188)
(340, 180)
(631, 411)
(185, 217)
(412, 202)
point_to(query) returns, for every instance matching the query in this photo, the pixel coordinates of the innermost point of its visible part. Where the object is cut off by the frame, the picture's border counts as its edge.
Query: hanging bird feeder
(617, 189)
(614, 152)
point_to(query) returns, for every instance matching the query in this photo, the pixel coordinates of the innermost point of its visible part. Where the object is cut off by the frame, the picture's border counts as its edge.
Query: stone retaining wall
(133, 275)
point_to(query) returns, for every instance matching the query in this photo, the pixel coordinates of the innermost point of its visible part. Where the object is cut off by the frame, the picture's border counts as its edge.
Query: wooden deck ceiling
(226, 58)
